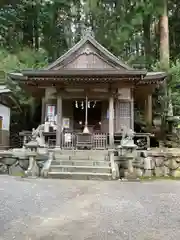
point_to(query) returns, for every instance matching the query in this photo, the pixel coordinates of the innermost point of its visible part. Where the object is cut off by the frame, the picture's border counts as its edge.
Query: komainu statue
(127, 135)
(37, 135)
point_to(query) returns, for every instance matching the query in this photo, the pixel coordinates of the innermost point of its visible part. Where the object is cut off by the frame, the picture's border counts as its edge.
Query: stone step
(80, 175)
(61, 157)
(80, 157)
(79, 152)
(91, 157)
(81, 163)
(90, 169)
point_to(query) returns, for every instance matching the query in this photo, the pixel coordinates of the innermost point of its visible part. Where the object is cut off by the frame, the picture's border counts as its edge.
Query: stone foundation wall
(157, 163)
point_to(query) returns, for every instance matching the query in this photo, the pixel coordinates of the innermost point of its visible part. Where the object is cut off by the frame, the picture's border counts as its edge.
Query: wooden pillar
(111, 121)
(59, 122)
(148, 110)
(132, 109)
(132, 114)
(43, 109)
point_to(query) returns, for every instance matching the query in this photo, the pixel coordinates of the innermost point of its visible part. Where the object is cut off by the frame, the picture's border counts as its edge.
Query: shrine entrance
(94, 115)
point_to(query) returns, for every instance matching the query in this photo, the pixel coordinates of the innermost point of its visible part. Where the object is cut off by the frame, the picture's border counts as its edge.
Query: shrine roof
(156, 75)
(63, 74)
(88, 38)
(8, 98)
(153, 77)
(83, 72)
(88, 59)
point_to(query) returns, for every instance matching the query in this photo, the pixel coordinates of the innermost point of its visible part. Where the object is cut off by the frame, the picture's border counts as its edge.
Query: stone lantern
(8, 159)
(32, 145)
(127, 154)
(33, 169)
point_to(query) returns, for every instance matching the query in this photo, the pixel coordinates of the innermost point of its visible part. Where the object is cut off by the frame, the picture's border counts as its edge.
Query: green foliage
(24, 59)
(55, 25)
(174, 84)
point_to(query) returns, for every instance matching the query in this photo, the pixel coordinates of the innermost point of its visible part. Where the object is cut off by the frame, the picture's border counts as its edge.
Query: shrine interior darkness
(94, 114)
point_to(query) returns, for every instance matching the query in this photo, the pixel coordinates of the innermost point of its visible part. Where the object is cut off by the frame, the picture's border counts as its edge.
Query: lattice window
(123, 115)
(125, 109)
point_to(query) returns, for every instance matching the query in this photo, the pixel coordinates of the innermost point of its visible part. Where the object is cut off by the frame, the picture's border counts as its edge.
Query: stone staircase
(83, 165)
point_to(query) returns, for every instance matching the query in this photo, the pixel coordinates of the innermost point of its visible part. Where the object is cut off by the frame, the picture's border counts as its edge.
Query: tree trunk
(147, 39)
(164, 63)
(28, 28)
(164, 38)
(36, 28)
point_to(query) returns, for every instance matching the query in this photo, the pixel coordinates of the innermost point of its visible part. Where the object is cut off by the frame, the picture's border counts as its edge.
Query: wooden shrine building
(89, 89)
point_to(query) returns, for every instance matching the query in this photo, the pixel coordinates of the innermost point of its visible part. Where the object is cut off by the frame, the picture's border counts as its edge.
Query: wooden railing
(81, 141)
(100, 141)
(68, 141)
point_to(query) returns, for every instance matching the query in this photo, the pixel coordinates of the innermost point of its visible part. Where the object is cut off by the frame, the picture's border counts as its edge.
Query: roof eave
(156, 75)
(17, 77)
(15, 103)
(81, 73)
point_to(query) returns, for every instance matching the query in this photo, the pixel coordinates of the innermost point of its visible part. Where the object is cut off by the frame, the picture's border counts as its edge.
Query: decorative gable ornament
(88, 32)
(86, 51)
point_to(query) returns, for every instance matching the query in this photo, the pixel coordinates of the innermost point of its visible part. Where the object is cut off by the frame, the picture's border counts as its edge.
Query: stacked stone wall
(156, 162)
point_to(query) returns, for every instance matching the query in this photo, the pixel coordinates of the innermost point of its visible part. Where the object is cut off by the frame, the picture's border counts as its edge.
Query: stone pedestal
(47, 164)
(138, 166)
(147, 167)
(33, 170)
(127, 155)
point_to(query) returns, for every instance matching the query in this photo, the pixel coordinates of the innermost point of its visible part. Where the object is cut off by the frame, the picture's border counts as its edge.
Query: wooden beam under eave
(34, 91)
(81, 80)
(144, 90)
(82, 95)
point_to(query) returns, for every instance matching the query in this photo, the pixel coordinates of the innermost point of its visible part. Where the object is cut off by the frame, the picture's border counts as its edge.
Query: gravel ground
(76, 210)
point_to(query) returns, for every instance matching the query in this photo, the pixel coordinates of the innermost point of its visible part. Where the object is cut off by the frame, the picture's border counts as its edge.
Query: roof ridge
(110, 53)
(51, 65)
